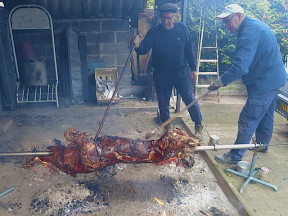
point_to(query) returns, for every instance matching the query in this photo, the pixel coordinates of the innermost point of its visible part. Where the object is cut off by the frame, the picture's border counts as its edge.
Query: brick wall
(107, 42)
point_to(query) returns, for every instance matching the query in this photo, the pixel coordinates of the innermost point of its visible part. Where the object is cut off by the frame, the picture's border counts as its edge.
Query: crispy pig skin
(84, 154)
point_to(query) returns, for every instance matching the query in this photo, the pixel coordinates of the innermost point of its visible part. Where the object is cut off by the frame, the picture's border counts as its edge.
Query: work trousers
(256, 116)
(182, 81)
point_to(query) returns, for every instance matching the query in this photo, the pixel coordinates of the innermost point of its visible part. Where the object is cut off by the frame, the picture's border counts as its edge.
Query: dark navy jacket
(258, 60)
(171, 49)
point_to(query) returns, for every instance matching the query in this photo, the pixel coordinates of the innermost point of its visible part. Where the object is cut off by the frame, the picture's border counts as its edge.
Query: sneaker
(263, 150)
(198, 130)
(226, 159)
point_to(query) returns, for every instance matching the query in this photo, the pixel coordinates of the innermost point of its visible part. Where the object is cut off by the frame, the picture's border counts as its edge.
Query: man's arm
(143, 47)
(245, 53)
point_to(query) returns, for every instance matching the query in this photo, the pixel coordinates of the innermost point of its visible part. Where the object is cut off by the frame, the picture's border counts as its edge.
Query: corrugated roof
(85, 8)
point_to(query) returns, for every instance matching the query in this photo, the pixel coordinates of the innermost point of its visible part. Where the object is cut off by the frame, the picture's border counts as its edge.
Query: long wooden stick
(149, 134)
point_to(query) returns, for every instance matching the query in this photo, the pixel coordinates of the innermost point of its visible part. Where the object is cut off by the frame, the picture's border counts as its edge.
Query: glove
(216, 84)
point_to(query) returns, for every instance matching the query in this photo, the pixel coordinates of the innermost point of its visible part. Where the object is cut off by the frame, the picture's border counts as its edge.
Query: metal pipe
(12, 154)
(4, 193)
(5, 206)
(7, 191)
(234, 146)
(199, 148)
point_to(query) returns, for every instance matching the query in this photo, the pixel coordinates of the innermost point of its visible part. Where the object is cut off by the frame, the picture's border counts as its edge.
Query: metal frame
(250, 176)
(27, 93)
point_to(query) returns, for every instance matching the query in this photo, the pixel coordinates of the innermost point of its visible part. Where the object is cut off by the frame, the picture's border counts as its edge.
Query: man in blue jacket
(258, 62)
(171, 52)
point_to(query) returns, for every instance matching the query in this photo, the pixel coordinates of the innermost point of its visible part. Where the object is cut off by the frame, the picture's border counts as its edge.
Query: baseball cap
(230, 9)
(168, 7)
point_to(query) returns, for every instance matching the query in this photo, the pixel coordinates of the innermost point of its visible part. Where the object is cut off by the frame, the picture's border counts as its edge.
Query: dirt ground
(127, 190)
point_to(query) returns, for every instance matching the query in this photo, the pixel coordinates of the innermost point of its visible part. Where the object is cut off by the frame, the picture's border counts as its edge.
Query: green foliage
(273, 12)
(150, 3)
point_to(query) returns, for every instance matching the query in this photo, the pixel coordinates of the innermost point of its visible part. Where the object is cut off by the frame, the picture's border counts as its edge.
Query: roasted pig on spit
(84, 154)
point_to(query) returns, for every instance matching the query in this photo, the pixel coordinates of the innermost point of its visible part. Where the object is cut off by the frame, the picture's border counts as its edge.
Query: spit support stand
(3, 204)
(252, 172)
(213, 145)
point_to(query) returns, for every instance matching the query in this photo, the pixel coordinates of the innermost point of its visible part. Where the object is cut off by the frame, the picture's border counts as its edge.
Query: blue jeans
(256, 116)
(182, 81)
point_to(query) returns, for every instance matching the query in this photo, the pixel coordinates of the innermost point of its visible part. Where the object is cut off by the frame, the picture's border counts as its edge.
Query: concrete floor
(221, 119)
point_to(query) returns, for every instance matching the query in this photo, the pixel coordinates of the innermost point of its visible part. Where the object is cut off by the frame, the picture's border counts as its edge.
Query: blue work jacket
(257, 60)
(171, 49)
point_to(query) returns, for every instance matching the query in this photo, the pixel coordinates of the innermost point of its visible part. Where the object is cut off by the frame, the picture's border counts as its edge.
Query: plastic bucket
(27, 50)
(35, 73)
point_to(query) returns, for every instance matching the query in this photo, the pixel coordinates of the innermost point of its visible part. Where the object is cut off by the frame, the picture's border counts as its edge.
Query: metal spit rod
(220, 147)
(12, 154)
(199, 148)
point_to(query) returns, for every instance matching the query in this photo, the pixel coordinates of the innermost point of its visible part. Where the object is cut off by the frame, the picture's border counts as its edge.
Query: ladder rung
(209, 47)
(203, 86)
(208, 60)
(207, 73)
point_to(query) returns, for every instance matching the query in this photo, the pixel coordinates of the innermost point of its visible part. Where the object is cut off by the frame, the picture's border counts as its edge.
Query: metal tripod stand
(250, 176)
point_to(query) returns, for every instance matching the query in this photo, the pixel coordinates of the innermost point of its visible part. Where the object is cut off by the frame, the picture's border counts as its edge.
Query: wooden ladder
(207, 60)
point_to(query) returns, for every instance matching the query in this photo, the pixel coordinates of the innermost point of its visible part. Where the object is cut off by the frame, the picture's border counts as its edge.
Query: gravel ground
(127, 190)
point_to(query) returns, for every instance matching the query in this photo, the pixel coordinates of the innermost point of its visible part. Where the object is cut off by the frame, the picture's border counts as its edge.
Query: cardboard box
(106, 81)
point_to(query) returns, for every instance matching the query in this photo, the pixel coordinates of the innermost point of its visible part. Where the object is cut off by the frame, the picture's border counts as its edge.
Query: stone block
(93, 58)
(115, 25)
(87, 26)
(106, 37)
(125, 80)
(121, 59)
(122, 37)
(61, 24)
(109, 60)
(93, 49)
(127, 70)
(119, 48)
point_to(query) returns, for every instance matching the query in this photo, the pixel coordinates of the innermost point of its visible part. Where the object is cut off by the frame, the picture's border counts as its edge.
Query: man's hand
(193, 75)
(136, 41)
(216, 84)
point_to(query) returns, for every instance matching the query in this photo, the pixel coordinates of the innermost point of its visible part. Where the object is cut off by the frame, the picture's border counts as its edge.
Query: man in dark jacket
(258, 62)
(171, 52)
